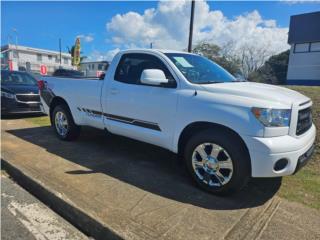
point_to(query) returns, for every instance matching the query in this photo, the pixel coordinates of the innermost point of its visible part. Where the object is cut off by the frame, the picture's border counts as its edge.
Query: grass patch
(304, 187)
(40, 121)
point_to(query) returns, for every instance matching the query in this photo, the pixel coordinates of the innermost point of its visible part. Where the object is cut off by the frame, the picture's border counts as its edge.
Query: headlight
(272, 117)
(7, 95)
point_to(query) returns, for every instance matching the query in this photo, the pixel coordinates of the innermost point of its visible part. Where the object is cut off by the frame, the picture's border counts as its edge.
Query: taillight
(41, 84)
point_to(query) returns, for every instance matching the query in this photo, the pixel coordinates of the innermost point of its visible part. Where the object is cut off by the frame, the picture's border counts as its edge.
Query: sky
(106, 27)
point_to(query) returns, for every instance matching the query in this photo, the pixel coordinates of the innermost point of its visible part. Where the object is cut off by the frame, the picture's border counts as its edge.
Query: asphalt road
(25, 217)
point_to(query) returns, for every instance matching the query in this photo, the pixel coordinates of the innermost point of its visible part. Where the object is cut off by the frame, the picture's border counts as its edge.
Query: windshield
(198, 69)
(17, 78)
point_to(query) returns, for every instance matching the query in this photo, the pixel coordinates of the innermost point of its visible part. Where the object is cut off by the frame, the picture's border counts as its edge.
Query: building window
(65, 60)
(39, 57)
(301, 47)
(57, 59)
(15, 54)
(50, 57)
(315, 47)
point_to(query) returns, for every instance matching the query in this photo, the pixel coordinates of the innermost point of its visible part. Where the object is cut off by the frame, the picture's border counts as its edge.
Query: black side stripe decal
(136, 122)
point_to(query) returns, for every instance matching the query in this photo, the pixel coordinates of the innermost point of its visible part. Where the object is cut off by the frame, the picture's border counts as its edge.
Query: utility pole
(60, 50)
(191, 26)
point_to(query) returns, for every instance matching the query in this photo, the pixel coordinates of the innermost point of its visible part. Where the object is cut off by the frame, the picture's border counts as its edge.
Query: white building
(30, 59)
(304, 59)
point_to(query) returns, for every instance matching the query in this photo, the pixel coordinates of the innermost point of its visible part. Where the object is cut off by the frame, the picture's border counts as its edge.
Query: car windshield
(200, 70)
(17, 78)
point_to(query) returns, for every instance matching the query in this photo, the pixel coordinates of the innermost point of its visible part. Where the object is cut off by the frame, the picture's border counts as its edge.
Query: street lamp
(16, 32)
(9, 37)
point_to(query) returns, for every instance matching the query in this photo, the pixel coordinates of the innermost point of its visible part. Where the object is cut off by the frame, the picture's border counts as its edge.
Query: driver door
(143, 112)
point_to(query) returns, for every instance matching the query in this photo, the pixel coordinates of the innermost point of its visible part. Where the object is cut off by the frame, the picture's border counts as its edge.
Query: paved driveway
(139, 191)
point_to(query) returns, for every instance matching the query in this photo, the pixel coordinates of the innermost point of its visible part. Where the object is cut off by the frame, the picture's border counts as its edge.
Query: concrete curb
(85, 223)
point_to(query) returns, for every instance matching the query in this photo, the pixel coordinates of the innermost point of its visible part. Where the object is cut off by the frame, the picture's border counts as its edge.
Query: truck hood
(258, 91)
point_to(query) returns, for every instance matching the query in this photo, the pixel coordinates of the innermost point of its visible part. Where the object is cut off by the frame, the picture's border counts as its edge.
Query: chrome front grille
(304, 121)
(28, 98)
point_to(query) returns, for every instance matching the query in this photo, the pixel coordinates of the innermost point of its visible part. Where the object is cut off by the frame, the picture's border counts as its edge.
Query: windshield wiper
(239, 80)
(209, 82)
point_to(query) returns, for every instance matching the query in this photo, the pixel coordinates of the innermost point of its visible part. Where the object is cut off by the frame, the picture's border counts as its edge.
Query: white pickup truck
(226, 130)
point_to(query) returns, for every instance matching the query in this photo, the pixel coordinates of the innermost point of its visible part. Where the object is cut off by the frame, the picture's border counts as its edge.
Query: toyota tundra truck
(226, 130)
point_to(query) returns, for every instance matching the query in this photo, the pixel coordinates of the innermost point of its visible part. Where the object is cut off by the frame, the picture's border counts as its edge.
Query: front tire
(63, 124)
(218, 161)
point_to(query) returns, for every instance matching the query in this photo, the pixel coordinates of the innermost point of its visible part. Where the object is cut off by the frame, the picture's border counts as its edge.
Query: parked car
(67, 73)
(36, 75)
(19, 93)
(226, 130)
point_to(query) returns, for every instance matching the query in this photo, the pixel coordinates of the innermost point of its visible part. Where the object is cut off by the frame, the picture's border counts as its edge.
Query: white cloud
(96, 55)
(291, 2)
(86, 38)
(167, 26)
(111, 53)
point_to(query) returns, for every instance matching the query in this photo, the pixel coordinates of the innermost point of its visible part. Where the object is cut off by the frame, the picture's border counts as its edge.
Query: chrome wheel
(61, 123)
(212, 164)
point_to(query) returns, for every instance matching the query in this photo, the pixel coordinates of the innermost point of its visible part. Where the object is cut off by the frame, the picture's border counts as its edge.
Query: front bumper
(11, 106)
(265, 152)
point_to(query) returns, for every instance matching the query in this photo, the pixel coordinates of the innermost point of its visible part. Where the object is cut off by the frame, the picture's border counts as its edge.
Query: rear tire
(63, 124)
(218, 161)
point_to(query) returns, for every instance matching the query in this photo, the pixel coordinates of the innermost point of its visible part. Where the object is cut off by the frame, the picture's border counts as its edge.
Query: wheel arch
(55, 102)
(191, 128)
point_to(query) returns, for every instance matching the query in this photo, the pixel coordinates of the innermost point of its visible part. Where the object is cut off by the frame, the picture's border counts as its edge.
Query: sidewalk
(132, 190)
(25, 217)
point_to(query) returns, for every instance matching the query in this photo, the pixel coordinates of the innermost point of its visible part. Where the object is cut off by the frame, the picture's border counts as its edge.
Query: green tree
(274, 70)
(219, 56)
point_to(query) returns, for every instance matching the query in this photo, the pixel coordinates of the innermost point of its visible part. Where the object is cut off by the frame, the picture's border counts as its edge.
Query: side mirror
(153, 77)
(101, 76)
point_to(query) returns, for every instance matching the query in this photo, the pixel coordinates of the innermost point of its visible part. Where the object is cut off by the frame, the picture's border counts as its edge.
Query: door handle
(114, 91)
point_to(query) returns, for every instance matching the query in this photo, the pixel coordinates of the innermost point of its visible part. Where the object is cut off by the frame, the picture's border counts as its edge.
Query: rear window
(17, 78)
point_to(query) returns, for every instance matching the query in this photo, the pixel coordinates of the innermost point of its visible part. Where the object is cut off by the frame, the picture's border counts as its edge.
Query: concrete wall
(304, 68)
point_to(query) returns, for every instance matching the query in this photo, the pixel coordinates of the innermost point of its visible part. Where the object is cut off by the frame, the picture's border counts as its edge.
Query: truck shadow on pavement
(144, 166)
(21, 116)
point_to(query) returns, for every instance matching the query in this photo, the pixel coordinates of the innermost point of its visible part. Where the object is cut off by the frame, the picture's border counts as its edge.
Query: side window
(131, 66)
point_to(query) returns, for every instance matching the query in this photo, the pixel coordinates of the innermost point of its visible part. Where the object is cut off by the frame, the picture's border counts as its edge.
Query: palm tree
(71, 51)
